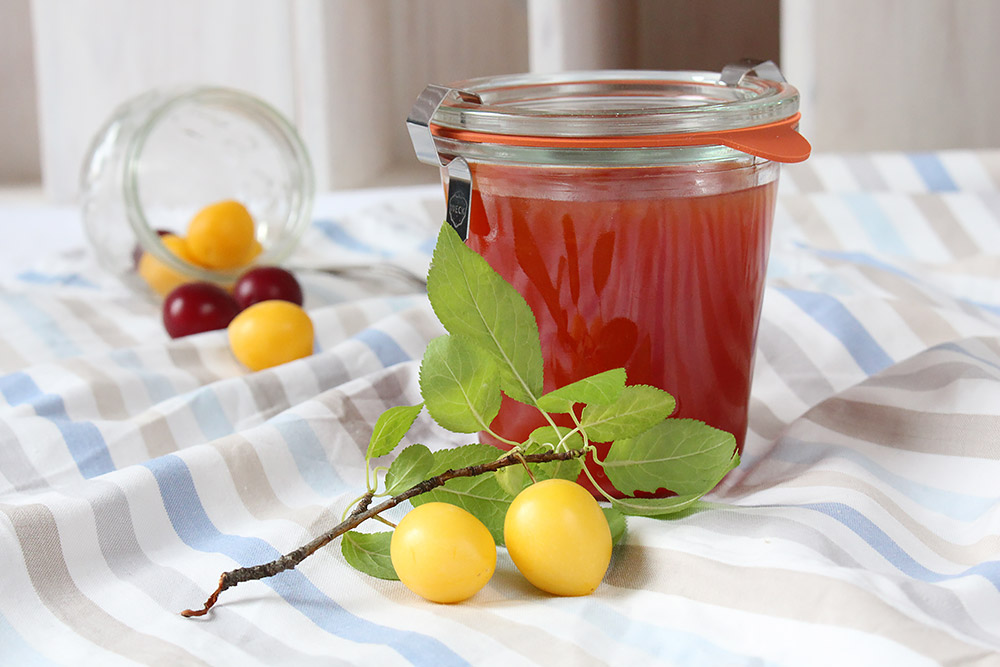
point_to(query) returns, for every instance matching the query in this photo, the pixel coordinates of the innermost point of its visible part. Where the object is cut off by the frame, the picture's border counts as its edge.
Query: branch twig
(364, 512)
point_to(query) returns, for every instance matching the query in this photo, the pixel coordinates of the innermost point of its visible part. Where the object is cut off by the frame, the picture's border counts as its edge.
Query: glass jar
(166, 154)
(633, 212)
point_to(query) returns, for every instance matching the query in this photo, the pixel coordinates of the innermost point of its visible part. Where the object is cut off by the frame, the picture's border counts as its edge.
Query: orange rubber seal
(778, 141)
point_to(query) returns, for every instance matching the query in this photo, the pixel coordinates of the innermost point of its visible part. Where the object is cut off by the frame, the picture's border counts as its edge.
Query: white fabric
(861, 528)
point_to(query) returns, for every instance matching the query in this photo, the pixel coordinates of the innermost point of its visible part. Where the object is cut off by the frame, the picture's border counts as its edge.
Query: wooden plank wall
(875, 74)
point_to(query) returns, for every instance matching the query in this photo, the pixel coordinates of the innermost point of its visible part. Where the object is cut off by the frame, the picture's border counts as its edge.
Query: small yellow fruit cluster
(261, 333)
(556, 534)
(219, 237)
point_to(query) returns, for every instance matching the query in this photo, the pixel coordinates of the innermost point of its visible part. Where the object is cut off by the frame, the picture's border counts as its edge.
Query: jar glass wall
(632, 210)
(164, 155)
(659, 270)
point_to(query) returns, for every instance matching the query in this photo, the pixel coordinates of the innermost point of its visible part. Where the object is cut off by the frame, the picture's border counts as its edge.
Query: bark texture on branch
(362, 513)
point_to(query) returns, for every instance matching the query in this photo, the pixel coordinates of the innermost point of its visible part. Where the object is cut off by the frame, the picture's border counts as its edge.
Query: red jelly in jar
(633, 212)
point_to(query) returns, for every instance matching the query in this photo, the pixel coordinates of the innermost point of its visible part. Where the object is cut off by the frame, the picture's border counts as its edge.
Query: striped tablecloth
(863, 527)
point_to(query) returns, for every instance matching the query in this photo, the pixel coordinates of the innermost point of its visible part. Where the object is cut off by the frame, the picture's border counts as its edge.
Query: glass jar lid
(626, 109)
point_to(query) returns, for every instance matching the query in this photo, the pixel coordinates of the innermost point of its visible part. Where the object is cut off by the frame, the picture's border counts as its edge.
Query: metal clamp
(418, 123)
(734, 73)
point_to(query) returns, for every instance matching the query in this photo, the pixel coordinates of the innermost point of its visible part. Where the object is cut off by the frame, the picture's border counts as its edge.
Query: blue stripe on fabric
(876, 538)
(832, 284)
(17, 651)
(193, 526)
(319, 295)
(68, 279)
(867, 260)
(42, 324)
(404, 301)
(308, 453)
(677, 646)
(986, 306)
(876, 224)
(960, 506)
(83, 440)
(955, 347)
(833, 316)
(930, 168)
(382, 344)
(859, 258)
(335, 232)
(777, 267)
(158, 387)
(209, 413)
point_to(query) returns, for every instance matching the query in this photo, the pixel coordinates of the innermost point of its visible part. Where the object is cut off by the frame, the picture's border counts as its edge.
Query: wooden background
(874, 74)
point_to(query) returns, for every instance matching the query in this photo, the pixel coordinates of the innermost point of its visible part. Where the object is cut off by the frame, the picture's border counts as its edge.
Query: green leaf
(515, 479)
(482, 496)
(460, 384)
(654, 507)
(569, 469)
(599, 389)
(616, 522)
(369, 553)
(390, 428)
(463, 457)
(685, 456)
(638, 408)
(411, 467)
(471, 299)
(549, 435)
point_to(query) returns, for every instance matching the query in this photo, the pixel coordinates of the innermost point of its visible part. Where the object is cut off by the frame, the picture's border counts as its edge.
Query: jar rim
(616, 103)
(623, 109)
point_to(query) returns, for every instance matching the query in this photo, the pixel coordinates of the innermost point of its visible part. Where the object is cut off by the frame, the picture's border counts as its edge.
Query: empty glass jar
(166, 154)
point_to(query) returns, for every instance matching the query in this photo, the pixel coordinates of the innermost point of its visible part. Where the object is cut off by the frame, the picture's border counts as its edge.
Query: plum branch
(365, 511)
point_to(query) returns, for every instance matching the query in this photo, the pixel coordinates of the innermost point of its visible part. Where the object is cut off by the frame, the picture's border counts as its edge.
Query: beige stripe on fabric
(931, 378)
(156, 433)
(257, 495)
(10, 359)
(991, 164)
(792, 364)
(992, 344)
(351, 420)
(533, 641)
(268, 394)
(107, 395)
(991, 200)
(185, 357)
(927, 323)
(798, 596)
(804, 177)
(39, 537)
(330, 372)
(900, 287)
(802, 209)
(15, 465)
(867, 175)
(764, 422)
(251, 482)
(172, 589)
(352, 319)
(982, 550)
(102, 325)
(944, 602)
(949, 231)
(932, 433)
(423, 320)
(390, 387)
